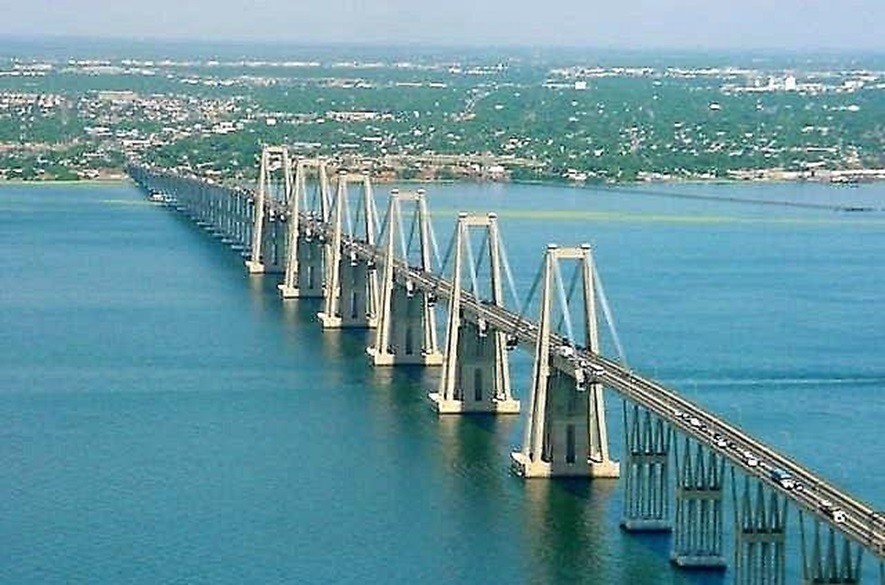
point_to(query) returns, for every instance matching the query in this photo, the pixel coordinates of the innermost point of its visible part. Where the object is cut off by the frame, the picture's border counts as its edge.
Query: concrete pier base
(289, 292)
(299, 292)
(646, 525)
(443, 406)
(254, 267)
(410, 359)
(523, 466)
(335, 322)
(687, 561)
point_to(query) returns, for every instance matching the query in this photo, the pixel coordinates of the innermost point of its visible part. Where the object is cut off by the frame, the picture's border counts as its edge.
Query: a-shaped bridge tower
(306, 242)
(476, 372)
(351, 292)
(566, 431)
(406, 332)
(268, 254)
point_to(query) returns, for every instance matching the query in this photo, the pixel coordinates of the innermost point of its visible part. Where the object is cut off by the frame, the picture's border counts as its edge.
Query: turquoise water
(166, 419)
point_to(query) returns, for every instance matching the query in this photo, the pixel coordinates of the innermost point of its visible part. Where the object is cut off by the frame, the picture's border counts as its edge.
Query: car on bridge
(782, 478)
(827, 507)
(749, 458)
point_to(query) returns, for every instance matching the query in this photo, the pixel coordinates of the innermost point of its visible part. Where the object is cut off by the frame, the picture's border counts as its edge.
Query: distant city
(481, 117)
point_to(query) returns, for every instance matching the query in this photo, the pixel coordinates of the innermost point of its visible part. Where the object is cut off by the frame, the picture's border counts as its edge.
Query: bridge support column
(406, 332)
(268, 235)
(760, 523)
(305, 250)
(274, 246)
(566, 431)
(352, 286)
(829, 557)
(647, 480)
(356, 303)
(476, 369)
(697, 538)
(476, 376)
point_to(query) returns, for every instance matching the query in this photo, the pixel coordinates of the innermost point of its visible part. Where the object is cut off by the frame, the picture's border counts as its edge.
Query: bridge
(387, 274)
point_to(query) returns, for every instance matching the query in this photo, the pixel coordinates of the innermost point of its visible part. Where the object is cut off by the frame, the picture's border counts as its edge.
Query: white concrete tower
(406, 332)
(566, 431)
(476, 371)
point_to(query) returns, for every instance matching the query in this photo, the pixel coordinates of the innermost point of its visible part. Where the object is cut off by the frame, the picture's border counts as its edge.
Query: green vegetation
(563, 117)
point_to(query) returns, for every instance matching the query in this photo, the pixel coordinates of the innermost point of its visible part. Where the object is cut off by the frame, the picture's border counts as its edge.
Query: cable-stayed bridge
(388, 273)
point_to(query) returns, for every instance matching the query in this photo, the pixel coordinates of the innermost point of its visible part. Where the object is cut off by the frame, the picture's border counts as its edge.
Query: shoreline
(539, 182)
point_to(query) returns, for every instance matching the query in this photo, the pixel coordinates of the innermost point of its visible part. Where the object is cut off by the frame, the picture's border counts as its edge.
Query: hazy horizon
(679, 25)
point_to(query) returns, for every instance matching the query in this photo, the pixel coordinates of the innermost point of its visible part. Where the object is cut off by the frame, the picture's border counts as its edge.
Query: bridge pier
(268, 231)
(407, 328)
(305, 269)
(305, 249)
(835, 560)
(476, 369)
(566, 432)
(406, 332)
(647, 480)
(697, 538)
(352, 287)
(760, 523)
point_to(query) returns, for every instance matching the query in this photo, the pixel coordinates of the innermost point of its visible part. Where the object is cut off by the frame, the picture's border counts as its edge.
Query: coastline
(537, 182)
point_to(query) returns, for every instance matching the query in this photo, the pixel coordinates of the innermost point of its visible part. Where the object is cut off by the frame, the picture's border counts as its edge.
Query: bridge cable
(434, 247)
(370, 202)
(606, 311)
(507, 272)
(371, 211)
(314, 204)
(569, 296)
(485, 251)
(560, 289)
(347, 215)
(449, 251)
(402, 233)
(382, 231)
(528, 300)
(412, 228)
(471, 262)
(361, 213)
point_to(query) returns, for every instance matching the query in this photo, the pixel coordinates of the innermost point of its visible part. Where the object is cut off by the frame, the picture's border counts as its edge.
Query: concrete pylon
(268, 233)
(406, 332)
(476, 370)
(647, 478)
(352, 289)
(697, 538)
(829, 557)
(566, 431)
(305, 250)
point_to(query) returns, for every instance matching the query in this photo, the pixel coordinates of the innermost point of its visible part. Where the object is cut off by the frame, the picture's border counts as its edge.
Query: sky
(626, 24)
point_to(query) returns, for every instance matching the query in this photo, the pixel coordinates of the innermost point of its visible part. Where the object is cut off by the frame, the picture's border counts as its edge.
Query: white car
(750, 459)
